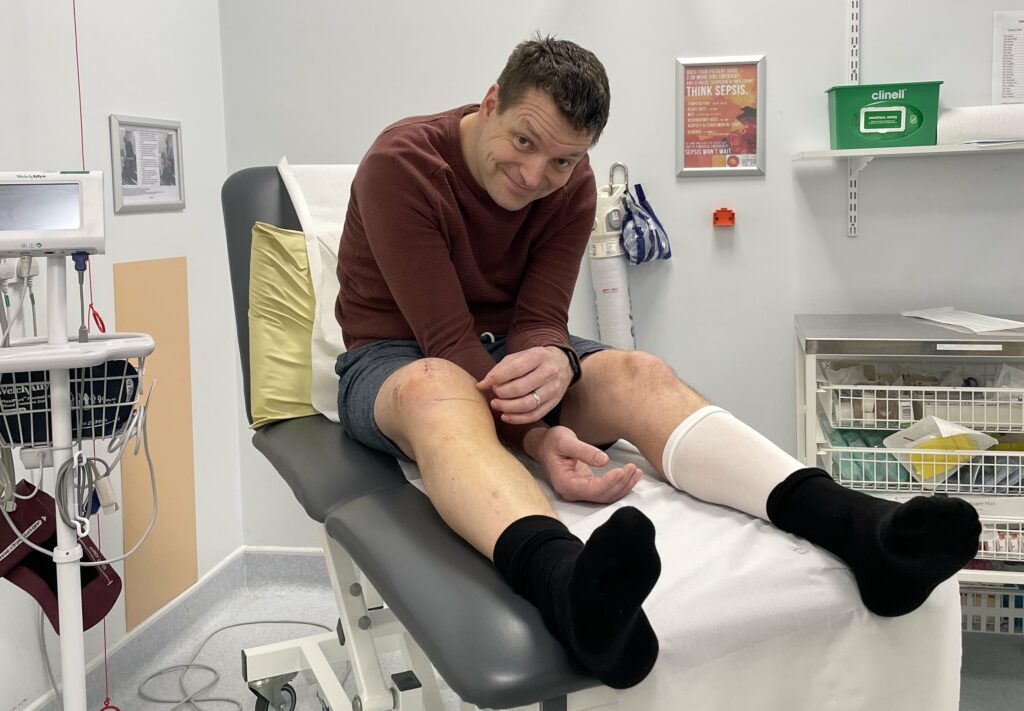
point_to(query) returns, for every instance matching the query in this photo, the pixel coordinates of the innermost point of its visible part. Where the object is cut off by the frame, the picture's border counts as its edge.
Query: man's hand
(528, 384)
(567, 461)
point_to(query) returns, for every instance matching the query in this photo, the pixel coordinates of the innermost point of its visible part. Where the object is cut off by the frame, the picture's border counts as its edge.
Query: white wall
(316, 80)
(145, 59)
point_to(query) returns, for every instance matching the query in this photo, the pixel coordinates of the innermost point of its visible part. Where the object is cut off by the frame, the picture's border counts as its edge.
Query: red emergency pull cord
(93, 313)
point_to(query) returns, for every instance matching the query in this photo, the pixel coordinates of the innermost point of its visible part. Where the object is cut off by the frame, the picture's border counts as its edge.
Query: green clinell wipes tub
(883, 115)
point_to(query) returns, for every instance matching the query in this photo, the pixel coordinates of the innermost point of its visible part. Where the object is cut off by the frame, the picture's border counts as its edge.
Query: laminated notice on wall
(1008, 58)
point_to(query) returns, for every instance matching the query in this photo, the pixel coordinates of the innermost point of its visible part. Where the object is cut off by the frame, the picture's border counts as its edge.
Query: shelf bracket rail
(855, 165)
(853, 41)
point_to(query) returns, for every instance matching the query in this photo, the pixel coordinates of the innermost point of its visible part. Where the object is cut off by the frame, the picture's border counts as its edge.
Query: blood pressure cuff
(102, 398)
(34, 521)
(36, 573)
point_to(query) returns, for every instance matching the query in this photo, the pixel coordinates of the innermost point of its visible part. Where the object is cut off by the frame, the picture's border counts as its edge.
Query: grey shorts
(363, 370)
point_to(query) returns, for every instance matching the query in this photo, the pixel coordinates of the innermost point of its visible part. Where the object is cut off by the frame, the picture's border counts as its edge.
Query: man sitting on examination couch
(464, 235)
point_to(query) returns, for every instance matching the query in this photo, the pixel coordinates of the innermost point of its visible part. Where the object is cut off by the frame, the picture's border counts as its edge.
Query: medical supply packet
(931, 433)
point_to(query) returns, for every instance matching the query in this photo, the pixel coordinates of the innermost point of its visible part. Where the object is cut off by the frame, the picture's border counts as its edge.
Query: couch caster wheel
(288, 700)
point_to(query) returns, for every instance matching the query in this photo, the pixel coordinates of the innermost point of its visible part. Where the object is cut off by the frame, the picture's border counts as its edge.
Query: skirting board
(248, 566)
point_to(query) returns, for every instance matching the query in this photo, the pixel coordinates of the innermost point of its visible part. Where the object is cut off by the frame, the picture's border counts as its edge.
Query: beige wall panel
(152, 297)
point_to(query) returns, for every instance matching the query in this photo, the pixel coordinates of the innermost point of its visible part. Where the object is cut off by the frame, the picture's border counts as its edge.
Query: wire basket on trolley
(105, 387)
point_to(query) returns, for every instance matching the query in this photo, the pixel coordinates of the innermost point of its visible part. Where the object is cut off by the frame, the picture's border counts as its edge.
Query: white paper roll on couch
(961, 124)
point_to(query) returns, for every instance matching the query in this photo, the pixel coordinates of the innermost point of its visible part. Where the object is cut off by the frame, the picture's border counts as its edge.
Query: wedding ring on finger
(536, 397)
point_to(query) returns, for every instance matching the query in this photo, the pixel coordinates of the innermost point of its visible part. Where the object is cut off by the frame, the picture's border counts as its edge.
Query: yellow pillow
(281, 307)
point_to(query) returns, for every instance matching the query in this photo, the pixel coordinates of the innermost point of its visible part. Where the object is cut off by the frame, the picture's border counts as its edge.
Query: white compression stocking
(717, 458)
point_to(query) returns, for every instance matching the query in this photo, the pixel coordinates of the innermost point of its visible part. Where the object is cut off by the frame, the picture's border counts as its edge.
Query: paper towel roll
(972, 123)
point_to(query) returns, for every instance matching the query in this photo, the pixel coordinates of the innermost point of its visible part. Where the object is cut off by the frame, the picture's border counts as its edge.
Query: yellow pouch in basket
(1009, 447)
(931, 433)
(928, 467)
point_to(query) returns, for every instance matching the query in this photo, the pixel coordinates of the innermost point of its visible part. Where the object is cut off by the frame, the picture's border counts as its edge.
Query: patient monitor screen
(40, 206)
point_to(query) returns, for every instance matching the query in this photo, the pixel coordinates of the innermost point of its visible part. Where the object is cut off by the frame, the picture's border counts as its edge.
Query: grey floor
(992, 674)
(992, 678)
(308, 603)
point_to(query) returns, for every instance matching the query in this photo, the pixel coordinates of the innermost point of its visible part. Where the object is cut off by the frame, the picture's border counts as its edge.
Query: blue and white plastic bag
(643, 236)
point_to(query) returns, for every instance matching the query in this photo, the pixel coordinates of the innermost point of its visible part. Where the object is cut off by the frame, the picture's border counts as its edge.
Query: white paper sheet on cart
(750, 617)
(965, 321)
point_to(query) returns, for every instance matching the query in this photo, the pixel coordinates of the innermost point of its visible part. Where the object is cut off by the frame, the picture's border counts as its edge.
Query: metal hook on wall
(611, 175)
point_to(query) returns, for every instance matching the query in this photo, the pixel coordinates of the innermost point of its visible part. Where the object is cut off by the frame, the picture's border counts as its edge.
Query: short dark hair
(572, 76)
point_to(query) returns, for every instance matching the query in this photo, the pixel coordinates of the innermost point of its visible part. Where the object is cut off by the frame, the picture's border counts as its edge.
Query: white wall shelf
(857, 159)
(911, 151)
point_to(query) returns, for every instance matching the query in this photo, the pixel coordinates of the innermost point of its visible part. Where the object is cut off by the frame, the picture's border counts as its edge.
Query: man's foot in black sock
(589, 596)
(898, 553)
(914, 547)
(606, 627)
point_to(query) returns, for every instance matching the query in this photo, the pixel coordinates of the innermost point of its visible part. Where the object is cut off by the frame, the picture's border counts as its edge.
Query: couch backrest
(251, 195)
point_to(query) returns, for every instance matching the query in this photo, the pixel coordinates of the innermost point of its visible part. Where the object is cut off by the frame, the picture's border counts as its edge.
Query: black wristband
(574, 364)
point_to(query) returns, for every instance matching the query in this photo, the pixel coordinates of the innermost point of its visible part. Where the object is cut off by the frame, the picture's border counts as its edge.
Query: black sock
(897, 552)
(589, 595)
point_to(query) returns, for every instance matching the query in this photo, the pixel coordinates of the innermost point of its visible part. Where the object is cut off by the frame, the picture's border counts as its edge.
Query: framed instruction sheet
(147, 170)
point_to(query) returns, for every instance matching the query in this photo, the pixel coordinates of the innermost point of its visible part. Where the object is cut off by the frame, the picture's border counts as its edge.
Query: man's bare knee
(645, 371)
(422, 387)
(428, 401)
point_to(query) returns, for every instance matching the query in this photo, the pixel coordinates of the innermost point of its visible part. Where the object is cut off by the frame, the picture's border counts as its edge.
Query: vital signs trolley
(60, 395)
(913, 369)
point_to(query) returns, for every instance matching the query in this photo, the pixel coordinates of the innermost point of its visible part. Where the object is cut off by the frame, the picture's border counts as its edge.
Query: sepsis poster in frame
(720, 116)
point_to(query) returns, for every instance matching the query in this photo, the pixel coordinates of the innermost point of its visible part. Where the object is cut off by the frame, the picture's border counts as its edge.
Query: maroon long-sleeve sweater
(426, 254)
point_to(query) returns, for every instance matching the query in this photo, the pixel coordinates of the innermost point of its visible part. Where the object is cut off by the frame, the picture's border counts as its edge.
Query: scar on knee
(464, 399)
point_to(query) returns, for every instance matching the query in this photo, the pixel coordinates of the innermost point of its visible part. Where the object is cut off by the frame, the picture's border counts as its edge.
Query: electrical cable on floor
(191, 699)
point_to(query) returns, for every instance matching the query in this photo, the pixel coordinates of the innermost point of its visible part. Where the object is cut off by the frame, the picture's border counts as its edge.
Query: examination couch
(489, 644)
(746, 615)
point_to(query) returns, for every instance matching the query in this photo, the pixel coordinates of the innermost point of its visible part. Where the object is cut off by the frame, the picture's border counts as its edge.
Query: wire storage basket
(1002, 538)
(933, 471)
(992, 608)
(973, 401)
(105, 387)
